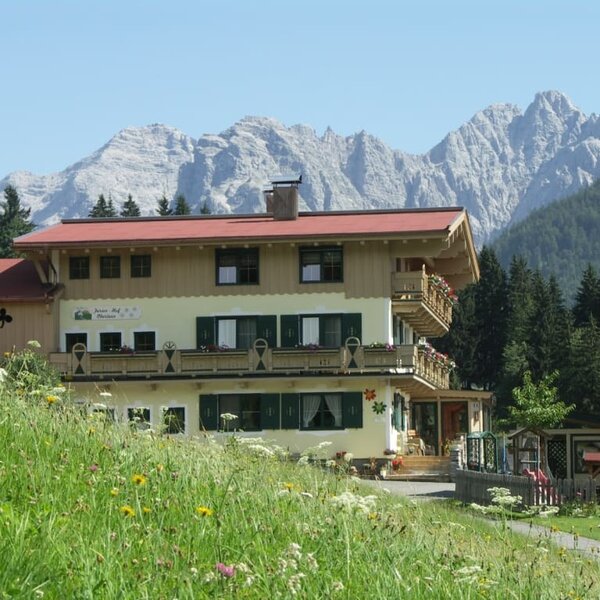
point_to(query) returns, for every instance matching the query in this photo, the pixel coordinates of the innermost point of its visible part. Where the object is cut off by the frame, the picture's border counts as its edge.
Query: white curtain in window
(310, 406)
(227, 274)
(334, 404)
(226, 333)
(310, 330)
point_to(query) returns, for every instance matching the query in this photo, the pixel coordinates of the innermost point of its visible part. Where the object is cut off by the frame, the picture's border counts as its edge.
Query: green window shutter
(290, 411)
(351, 326)
(209, 417)
(289, 331)
(352, 410)
(269, 411)
(205, 331)
(266, 328)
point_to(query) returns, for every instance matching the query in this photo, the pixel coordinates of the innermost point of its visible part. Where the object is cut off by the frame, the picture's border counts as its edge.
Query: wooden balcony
(415, 370)
(422, 305)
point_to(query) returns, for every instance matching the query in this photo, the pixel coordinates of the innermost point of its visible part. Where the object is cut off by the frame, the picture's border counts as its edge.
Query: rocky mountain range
(500, 165)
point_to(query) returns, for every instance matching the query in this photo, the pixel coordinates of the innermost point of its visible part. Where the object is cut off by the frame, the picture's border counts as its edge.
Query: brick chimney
(281, 197)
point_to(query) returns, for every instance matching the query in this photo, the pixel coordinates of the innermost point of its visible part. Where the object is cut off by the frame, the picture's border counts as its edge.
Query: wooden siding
(190, 272)
(31, 321)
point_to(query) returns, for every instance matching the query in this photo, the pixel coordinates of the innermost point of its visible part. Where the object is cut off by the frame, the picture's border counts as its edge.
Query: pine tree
(130, 208)
(204, 209)
(14, 221)
(490, 317)
(163, 209)
(102, 208)
(580, 378)
(519, 301)
(181, 206)
(587, 299)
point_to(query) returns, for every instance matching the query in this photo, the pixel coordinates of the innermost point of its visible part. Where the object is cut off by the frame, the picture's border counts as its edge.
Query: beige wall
(31, 321)
(174, 319)
(190, 271)
(366, 442)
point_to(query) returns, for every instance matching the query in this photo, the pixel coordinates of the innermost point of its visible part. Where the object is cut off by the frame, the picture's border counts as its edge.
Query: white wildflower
(228, 417)
(311, 561)
(306, 494)
(354, 503)
(330, 464)
(323, 445)
(295, 582)
(34, 344)
(3, 375)
(469, 570)
(260, 450)
(303, 461)
(337, 586)
(348, 457)
(293, 550)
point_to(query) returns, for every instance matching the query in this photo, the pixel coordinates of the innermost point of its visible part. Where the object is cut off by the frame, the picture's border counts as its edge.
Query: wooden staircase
(422, 468)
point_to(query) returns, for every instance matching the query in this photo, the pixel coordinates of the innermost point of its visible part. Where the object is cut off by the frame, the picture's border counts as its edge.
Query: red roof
(19, 281)
(89, 232)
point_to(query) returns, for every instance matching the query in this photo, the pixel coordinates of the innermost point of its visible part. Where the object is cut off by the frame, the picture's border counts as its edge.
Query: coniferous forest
(516, 320)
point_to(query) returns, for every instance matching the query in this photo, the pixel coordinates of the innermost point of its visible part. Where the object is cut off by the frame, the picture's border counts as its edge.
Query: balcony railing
(352, 358)
(423, 305)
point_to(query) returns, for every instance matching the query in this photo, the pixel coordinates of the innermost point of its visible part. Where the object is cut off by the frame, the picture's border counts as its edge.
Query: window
(321, 265)
(110, 341)
(110, 267)
(144, 340)
(79, 267)
(139, 418)
(321, 411)
(330, 331)
(174, 419)
(235, 332)
(245, 406)
(74, 338)
(237, 266)
(141, 265)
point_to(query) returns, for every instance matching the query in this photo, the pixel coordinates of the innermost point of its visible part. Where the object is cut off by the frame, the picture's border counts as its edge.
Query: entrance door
(454, 422)
(425, 423)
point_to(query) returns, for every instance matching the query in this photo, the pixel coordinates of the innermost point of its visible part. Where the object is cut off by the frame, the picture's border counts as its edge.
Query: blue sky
(74, 73)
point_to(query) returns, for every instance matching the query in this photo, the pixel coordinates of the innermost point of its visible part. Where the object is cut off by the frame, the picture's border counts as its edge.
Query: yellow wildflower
(114, 492)
(127, 511)
(204, 511)
(51, 399)
(139, 479)
(146, 510)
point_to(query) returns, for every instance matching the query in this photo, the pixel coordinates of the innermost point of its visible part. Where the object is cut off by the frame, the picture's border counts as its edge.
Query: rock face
(500, 165)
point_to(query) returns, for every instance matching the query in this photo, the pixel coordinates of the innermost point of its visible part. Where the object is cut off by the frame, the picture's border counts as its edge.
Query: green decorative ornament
(379, 407)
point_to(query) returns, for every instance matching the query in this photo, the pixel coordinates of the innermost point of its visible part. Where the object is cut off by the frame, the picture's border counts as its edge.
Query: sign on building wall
(106, 313)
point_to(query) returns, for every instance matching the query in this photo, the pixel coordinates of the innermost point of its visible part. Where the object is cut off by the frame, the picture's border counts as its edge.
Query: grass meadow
(91, 509)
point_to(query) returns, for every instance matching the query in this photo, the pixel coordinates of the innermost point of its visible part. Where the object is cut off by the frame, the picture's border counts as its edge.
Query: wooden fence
(473, 486)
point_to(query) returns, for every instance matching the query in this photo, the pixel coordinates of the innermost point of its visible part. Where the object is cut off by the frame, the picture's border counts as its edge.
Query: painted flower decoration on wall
(379, 408)
(370, 394)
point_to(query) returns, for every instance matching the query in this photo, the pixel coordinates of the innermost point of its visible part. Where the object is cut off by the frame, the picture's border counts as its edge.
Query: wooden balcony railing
(258, 360)
(422, 305)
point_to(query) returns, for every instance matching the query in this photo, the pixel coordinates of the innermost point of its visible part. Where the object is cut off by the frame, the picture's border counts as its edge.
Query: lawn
(91, 509)
(582, 526)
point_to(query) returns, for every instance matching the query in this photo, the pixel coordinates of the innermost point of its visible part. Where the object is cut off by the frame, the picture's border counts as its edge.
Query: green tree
(181, 206)
(536, 404)
(102, 208)
(130, 208)
(204, 209)
(163, 209)
(580, 379)
(14, 221)
(490, 317)
(587, 298)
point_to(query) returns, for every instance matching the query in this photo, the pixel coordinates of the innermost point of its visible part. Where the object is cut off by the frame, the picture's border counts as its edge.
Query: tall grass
(89, 509)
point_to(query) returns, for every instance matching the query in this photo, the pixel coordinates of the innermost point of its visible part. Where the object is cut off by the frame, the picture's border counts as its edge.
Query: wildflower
(51, 399)
(225, 570)
(204, 511)
(311, 561)
(3, 374)
(294, 583)
(114, 492)
(261, 450)
(294, 550)
(34, 344)
(228, 417)
(337, 586)
(194, 572)
(127, 511)
(60, 389)
(93, 468)
(146, 510)
(324, 445)
(303, 461)
(350, 502)
(289, 486)
(160, 468)
(139, 479)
